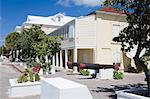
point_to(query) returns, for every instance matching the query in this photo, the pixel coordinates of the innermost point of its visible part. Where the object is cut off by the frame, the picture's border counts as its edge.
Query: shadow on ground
(85, 78)
(117, 88)
(72, 74)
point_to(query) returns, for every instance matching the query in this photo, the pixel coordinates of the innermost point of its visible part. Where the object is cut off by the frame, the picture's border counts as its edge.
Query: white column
(75, 69)
(14, 54)
(66, 58)
(61, 63)
(57, 60)
(46, 59)
(21, 54)
(17, 53)
(54, 60)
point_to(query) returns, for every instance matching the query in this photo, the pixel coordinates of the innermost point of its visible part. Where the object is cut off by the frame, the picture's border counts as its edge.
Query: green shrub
(37, 64)
(28, 75)
(117, 75)
(84, 72)
(134, 70)
(48, 66)
(93, 75)
(37, 77)
(22, 78)
(31, 76)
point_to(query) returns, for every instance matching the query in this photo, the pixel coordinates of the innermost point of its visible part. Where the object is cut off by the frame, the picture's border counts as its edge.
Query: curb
(14, 66)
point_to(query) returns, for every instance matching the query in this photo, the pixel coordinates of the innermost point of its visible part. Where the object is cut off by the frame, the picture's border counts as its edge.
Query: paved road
(100, 89)
(104, 89)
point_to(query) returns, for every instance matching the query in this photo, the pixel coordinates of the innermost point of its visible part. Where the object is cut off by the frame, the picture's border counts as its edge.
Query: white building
(49, 23)
(88, 39)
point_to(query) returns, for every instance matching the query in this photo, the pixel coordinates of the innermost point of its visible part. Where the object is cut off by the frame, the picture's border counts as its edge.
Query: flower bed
(23, 89)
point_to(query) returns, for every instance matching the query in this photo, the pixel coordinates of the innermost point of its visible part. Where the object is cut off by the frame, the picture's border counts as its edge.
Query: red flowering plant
(35, 70)
(36, 67)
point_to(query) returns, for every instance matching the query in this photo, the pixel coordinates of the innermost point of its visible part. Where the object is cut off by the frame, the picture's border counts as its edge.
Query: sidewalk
(100, 89)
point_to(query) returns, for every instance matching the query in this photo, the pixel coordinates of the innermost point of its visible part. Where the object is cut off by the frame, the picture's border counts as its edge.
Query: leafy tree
(1, 50)
(35, 43)
(11, 42)
(29, 37)
(47, 46)
(12, 39)
(4, 51)
(137, 33)
(54, 43)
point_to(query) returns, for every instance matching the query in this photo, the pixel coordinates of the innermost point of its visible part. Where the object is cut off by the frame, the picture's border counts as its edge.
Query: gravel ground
(100, 89)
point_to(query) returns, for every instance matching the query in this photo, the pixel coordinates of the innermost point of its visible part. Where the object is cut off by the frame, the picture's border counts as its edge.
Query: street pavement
(100, 89)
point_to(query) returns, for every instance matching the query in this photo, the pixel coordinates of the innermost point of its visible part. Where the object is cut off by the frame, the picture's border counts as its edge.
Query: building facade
(88, 39)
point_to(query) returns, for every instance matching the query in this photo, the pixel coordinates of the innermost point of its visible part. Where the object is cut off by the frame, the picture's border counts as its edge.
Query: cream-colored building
(88, 39)
(49, 24)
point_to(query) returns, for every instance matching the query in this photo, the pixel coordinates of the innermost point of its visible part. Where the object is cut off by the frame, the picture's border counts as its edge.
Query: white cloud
(65, 3)
(88, 3)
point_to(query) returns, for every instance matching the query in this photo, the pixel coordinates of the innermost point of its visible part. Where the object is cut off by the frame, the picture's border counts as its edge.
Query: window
(71, 31)
(59, 19)
(67, 29)
(115, 30)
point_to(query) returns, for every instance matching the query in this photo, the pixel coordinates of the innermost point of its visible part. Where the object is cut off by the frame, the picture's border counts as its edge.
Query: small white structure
(125, 95)
(60, 88)
(105, 74)
(23, 89)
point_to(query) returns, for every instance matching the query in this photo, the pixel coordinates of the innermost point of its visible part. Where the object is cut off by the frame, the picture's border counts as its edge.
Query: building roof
(56, 20)
(111, 10)
(108, 10)
(18, 28)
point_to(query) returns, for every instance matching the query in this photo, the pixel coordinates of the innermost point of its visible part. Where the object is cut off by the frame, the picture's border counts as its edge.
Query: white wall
(105, 33)
(46, 28)
(85, 31)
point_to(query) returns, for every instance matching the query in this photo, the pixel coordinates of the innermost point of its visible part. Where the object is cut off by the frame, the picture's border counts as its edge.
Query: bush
(93, 75)
(28, 75)
(37, 77)
(133, 70)
(48, 67)
(117, 75)
(84, 72)
(36, 64)
(24, 76)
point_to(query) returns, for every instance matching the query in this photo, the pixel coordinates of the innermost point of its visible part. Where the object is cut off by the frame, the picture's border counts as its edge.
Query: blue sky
(14, 12)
